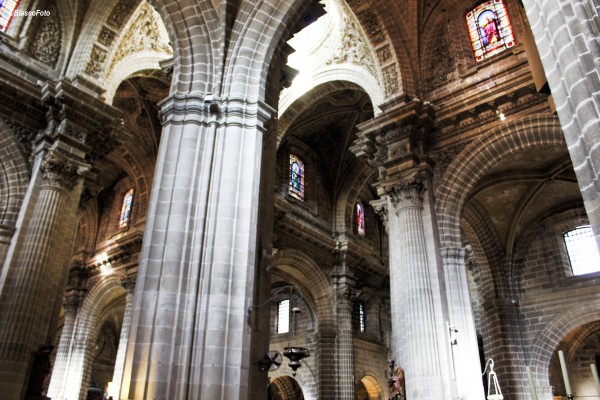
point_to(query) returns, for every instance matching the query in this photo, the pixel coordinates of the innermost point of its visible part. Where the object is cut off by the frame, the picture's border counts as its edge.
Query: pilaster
(345, 297)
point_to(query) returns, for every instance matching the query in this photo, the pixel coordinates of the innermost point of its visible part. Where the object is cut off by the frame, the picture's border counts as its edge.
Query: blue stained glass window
(296, 177)
(125, 215)
(7, 7)
(489, 29)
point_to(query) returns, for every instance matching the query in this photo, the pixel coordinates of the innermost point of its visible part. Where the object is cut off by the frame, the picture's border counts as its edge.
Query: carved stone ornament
(442, 65)
(372, 26)
(106, 36)
(353, 48)
(46, 42)
(380, 206)
(59, 171)
(144, 34)
(121, 12)
(97, 59)
(390, 79)
(408, 193)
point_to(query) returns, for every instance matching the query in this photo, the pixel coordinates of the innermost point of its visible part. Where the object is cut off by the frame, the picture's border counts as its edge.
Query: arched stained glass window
(7, 7)
(489, 29)
(125, 215)
(296, 177)
(360, 218)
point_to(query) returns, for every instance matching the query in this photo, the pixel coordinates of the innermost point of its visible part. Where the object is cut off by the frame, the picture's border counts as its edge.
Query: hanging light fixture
(294, 353)
(494, 391)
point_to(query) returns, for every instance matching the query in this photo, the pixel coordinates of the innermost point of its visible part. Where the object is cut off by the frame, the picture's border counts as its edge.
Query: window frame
(125, 221)
(298, 193)
(586, 240)
(503, 29)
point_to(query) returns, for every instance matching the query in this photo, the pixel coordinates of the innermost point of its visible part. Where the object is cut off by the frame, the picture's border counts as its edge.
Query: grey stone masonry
(189, 336)
(566, 33)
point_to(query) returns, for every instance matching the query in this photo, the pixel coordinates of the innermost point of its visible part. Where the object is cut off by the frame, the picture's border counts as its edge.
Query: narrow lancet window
(283, 316)
(125, 215)
(360, 218)
(296, 177)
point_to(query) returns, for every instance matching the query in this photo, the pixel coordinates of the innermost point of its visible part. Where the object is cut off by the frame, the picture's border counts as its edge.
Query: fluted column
(33, 269)
(197, 267)
(58, 381)
(344, 295)
(415, 341)
(129, 285)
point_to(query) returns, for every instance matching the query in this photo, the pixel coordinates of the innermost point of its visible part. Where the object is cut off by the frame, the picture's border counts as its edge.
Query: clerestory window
(582, 249)
(489, 29)
(296, 177)
(125, 214)
(360, 218)
(283, 316)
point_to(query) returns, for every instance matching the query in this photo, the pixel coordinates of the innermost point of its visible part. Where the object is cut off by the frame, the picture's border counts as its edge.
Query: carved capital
(129, 284)
(62, 172)
(381, 208)
(407, 193)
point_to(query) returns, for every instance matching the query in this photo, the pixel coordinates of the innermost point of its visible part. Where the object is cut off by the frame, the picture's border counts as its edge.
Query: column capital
(61, 171)
(405, 193)
(128, 283)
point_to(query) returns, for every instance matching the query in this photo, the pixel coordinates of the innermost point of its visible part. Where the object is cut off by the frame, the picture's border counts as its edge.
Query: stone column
(33, 269)
(415, 343)
(58, 381)
(129, 285)
(344, 295)
(189, 337)
(566, 35)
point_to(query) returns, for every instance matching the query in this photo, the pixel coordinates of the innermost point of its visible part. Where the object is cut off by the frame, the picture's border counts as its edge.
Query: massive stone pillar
(189, 336)
(566, 34)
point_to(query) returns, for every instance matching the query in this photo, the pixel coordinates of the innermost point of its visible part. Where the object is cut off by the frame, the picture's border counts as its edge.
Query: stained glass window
(283, 316)
(126, 209)
(360, 218)
(296, 177)
(582, 249)
(6, 13)
(489, 29)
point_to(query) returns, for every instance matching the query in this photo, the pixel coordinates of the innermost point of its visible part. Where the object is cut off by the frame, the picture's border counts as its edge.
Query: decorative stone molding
(97, 59)
(25, 135)
(106, 36)
(381, 208)
(407, 193)
(144, 34)
(353, 48)
(390, 79)
(46, 39)
(61, 172)
(121, 13)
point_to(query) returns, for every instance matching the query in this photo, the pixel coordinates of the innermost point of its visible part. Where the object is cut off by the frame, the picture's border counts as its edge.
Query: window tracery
(489, 29)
